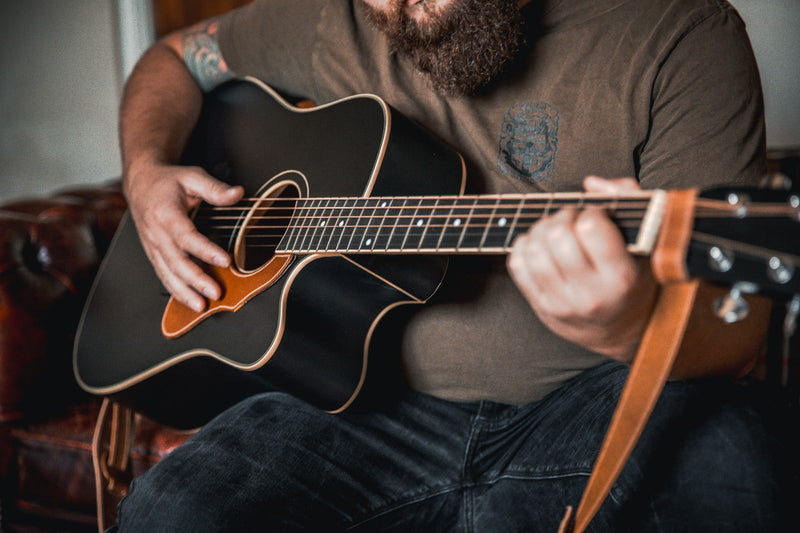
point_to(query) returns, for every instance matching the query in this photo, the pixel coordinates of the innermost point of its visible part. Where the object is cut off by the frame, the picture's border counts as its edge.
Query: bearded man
(512, 370)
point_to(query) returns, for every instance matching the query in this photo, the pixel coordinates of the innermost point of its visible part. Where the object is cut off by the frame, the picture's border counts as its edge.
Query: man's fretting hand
(575, 271)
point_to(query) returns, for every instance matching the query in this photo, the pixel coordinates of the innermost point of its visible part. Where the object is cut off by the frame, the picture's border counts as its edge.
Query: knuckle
(184, 240)
(158, 217)
(587, 220)
(557, 237)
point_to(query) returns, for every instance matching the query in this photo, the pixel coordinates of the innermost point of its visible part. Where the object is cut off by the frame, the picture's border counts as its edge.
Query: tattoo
(202, 56)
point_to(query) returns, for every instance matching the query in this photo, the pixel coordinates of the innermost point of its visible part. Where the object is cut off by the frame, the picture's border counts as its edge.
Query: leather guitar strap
(111, 451)
(648, 374)
(652, 364)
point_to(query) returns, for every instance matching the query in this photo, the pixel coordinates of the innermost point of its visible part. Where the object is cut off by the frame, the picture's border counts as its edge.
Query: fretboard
(486, 224)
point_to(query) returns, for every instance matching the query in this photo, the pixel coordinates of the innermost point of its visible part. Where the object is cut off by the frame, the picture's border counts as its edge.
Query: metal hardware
(732, 307)
(778, 271)
(740, 202)
(720, 259)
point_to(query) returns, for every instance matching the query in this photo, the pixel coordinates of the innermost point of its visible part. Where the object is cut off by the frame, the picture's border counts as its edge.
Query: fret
(375, 213)
(532, 211)
(289, 235)
(356, 224)
(281, 214)
(404, 216)
(419, 224)
(454, 225)
(302, 222)
(500, 224)
(292, 229)
(433, 229)
(476, 224)
(412, 225)
(547, 208)
(383, 236)
(514, 228)
(309, 225)
(343, 223)
(332, 231)
(488, 223)
(321, 226)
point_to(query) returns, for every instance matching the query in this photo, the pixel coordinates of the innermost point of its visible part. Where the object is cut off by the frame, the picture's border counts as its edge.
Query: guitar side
(309, 331)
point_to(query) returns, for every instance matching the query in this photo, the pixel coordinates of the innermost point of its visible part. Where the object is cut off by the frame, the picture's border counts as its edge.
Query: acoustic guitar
(350, 211)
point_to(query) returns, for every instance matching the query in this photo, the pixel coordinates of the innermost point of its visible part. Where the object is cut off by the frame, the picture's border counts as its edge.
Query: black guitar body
(309, 332)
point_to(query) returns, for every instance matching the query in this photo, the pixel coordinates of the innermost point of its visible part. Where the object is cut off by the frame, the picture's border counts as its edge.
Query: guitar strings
(703, 208)
(743, 247)
(302, 211)
(375, 220)
(309, 215)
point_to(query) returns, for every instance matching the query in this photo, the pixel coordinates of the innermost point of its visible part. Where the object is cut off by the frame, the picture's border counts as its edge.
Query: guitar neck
(485, 224)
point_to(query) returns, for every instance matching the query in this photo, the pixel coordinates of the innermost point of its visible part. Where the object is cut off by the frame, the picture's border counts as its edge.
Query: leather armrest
(50, 249)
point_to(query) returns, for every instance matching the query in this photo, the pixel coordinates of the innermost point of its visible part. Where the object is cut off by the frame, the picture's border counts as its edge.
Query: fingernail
(594, 181)
(210, 293)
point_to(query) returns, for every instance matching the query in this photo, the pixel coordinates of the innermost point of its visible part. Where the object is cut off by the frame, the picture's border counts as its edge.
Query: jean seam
(612, 494)
(468, 482)
(405, 503)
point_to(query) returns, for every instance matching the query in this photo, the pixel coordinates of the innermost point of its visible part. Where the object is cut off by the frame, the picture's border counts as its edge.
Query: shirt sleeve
(707, 120)
(273, 40)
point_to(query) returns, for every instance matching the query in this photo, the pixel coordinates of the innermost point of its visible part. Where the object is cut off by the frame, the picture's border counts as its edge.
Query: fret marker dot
(457, 222)
(419, 222)
(502, 222)
(321, 222)
(341, 223)
(383, 204)
(369, 241)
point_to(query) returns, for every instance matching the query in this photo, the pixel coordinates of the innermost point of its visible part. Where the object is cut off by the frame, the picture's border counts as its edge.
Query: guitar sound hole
(265, 227)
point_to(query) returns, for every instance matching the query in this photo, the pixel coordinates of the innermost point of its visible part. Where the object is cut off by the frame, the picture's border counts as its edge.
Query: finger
(211, 190)
(190, 241)
(174, 239)
(563, 245)
(542, 259)
(176, 286)
(202, 186)
(610, 186)
(192, 275)
(524, 263)
(606, 250)
(171, 228)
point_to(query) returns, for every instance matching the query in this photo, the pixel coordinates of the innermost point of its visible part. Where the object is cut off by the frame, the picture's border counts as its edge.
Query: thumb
(211, 190)
(610, 186)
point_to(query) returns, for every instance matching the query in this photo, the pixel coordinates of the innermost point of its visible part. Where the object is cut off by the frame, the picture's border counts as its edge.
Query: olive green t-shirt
(663, 90)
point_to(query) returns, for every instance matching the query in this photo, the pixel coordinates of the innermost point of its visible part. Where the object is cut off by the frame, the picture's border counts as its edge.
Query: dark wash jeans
(273, 463)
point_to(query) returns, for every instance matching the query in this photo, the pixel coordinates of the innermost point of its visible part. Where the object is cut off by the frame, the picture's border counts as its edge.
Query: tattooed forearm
(203, 58)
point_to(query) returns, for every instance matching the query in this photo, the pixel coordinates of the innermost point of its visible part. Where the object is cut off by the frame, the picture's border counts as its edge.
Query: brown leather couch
(50, 248)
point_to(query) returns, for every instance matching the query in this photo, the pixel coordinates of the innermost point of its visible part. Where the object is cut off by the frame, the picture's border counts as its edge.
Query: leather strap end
(568, 522)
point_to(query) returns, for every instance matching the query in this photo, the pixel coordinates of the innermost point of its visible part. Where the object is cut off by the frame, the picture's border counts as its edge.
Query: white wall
(774, 28)
(59, 91)
(60, 79)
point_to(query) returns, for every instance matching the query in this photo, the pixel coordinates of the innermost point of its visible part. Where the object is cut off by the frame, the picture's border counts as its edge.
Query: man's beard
(462, 46)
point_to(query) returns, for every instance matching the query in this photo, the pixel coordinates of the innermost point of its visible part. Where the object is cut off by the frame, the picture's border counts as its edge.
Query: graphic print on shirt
(529, 142)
